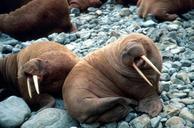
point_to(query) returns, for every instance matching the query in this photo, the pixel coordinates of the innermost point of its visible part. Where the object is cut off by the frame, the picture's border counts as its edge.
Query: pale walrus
(100, 87)
(37, 18)
(37, 73)
(164, 9)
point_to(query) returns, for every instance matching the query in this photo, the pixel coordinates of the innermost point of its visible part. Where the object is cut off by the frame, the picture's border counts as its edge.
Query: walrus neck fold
(8, 70)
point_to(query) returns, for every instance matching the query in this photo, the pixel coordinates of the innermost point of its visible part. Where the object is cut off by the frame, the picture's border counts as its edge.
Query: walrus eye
(35, 80)
(140, 72)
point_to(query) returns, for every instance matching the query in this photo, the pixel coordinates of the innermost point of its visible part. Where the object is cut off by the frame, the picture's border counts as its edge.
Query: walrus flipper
(109, 108)
(151, 105)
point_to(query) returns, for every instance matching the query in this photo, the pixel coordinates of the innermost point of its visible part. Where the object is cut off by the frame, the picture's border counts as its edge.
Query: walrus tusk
(141, 74)
(35, 79)
(29, 88)
(150, 64)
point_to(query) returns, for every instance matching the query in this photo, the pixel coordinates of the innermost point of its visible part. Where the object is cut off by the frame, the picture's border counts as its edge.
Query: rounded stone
(175, 122)
(13, 112)
(50, 118)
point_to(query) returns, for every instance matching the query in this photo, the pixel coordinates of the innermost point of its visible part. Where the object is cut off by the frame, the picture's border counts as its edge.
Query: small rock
(177, 95)
(187, 101)
(184, 77)
(177, 50)
(60, 38)
(173, 27)
(99, 12)
(15, 50)
(186, 114)
(142, 121)
(7, 49)
(171, 110)
(164, 86)
(123, 124)
(130, 116)
(92, 9)
(75, 11)
(191, 76)
(124, 12)
(177, 64)
(186, 63)
(94, 125)
(191, 94)
(111, 125)
(175, 122)
(177, 81)
(51, 118)
(155, 122)
(148, 23)
(13, 112)
(165, 77)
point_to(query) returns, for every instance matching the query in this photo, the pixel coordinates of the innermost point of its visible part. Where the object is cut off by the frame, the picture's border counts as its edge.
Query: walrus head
(47, 69)
(34, 70)
(135, 55)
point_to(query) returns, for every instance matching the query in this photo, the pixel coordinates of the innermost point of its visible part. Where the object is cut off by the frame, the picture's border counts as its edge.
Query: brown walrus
(127, 2)
(84, 4)
(164, 9)
(7, 6)
(37, 18)
(100, 87)
(37, 72)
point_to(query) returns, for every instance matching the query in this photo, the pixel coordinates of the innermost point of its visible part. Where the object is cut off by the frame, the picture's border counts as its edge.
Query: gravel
(100, 26)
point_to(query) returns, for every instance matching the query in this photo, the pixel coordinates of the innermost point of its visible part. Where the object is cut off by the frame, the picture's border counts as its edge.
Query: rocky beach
(98, 27)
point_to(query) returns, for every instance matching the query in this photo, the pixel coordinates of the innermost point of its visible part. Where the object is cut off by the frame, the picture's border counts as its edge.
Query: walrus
(84, 4)
(102, 85)
(7, 6)
(37, 73)
(37, 18)
(164, 9)
(126, 2)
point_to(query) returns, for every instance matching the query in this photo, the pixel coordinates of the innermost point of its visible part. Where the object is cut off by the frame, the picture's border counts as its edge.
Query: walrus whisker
(141, 74)
(35, 79)
(29, 88)
(150, 64)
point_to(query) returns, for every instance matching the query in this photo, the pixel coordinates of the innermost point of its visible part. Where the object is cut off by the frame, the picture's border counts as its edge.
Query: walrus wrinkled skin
(100, 87)
(164, 9)
(49, 61)
(36, 19)
(84, 4)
